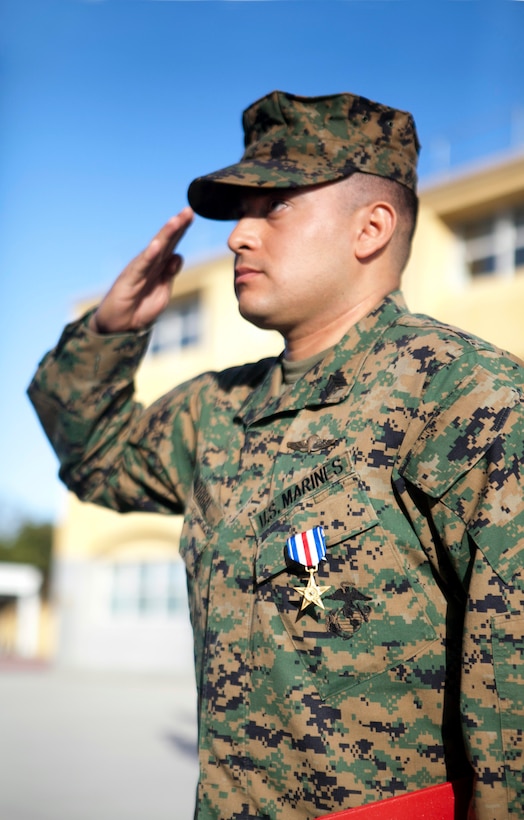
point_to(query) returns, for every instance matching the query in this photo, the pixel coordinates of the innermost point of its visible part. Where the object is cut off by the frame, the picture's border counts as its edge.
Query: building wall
(436, 280)
(26, 621)
(44, 644)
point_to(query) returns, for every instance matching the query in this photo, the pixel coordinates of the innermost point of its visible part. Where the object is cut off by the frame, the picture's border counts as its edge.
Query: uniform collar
(331, 380)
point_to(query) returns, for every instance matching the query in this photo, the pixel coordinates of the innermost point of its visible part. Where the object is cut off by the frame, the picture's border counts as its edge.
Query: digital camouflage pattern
(292, 141)
(406, 444)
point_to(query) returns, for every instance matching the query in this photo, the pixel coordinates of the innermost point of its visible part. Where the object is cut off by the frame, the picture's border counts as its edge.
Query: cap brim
(219, 195)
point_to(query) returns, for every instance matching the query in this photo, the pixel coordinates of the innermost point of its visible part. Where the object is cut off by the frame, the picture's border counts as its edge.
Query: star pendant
(312, 593)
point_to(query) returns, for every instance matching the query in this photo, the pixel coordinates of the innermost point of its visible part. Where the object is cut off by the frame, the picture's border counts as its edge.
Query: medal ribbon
(307, 548)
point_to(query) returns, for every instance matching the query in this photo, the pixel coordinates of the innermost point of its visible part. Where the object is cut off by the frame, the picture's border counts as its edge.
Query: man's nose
(245, 234)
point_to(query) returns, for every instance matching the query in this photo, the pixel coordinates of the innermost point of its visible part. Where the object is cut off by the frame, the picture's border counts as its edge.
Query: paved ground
(95, 746)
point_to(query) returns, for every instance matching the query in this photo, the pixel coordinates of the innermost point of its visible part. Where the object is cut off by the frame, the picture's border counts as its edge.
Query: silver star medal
(308, 549)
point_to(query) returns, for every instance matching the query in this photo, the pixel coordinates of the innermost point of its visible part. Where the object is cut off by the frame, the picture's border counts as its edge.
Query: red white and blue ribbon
(307, 548)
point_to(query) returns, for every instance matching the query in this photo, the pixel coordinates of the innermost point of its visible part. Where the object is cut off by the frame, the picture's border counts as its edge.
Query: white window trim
(501, 243)
(180, 327)
(169, 589)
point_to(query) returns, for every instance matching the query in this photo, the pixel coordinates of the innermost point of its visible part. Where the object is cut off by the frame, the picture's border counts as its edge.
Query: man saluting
(354, 512)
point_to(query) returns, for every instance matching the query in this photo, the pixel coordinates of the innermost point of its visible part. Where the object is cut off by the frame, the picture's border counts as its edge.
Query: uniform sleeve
(462, 482)
(111, 450)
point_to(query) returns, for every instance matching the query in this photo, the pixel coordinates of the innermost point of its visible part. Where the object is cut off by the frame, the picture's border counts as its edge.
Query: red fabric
(306, 550)
(447, 801)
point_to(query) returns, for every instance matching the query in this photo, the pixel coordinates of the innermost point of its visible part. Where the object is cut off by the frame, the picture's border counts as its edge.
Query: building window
(179, 327)
(494, 245)
(148, 589)
(519, 238)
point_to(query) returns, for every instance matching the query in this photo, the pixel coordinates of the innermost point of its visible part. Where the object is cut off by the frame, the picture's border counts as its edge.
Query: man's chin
(257, 318)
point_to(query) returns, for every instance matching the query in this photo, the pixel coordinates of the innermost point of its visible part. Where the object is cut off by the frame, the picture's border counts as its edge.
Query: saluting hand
(143, 289)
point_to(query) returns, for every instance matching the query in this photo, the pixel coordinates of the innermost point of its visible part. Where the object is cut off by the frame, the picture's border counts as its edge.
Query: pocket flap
(342, 509)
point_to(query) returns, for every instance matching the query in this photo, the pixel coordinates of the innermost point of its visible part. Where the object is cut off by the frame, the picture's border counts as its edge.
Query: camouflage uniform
(406, 443)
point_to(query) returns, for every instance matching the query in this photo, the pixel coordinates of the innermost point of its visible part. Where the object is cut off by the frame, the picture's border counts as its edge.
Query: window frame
(497, 250)
(180, 327)
(147, 590)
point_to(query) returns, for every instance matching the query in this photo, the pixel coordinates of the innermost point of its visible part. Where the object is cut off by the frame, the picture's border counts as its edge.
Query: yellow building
(467, 264)
(120, 589)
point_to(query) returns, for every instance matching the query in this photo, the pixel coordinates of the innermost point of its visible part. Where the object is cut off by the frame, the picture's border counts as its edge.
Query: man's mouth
(243, 273)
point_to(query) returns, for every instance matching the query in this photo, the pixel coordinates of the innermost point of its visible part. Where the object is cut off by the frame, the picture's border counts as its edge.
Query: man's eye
(276, 205)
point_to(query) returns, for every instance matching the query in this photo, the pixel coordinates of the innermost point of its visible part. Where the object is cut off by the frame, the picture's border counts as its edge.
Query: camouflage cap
(293, 141)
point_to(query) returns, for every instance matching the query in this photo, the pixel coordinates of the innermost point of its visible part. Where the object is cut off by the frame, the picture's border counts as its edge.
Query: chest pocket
(372, 618)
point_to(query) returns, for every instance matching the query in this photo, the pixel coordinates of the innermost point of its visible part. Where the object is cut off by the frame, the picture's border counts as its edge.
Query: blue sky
(109, 109)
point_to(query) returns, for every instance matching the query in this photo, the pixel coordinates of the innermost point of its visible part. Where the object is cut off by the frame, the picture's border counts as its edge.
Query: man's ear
(376, 226)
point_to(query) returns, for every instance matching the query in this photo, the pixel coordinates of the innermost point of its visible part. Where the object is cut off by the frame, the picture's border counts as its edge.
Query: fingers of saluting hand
(164, 243)
(143, 288)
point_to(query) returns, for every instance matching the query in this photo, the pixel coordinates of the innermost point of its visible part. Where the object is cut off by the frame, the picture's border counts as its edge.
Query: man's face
(293, 260)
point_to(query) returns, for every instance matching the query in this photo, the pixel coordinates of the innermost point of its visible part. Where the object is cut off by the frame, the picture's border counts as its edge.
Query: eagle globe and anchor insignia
(345, 621)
